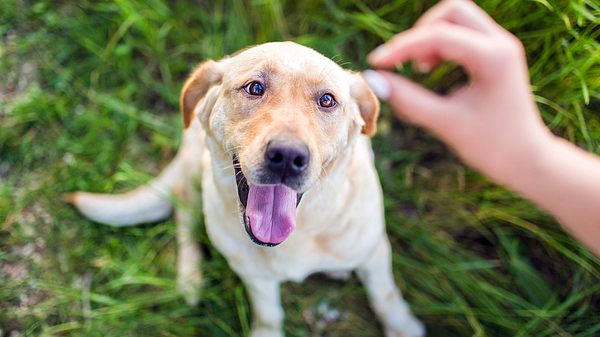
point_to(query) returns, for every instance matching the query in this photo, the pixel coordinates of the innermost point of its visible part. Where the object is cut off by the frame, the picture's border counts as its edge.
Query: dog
(277, 140)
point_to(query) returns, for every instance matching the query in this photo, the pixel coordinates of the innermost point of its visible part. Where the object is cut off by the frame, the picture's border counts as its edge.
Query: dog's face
(283, 112)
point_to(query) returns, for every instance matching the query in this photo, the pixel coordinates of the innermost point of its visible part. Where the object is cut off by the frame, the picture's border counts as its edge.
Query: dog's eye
(327, 101)
(255, 88)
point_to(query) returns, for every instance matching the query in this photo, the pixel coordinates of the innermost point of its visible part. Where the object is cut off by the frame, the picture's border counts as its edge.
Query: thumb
(409, 100)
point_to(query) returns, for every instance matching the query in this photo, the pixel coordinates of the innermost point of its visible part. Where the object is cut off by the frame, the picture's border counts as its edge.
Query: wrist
(528, 161)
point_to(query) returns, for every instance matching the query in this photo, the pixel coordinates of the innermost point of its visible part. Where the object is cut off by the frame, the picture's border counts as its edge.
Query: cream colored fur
(340, 222)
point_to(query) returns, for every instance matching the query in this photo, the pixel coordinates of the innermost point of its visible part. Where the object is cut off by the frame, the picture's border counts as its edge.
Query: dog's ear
(204, 77)
(367, 102)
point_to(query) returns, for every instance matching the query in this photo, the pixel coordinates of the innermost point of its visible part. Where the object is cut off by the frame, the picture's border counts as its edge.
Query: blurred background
(89, 101)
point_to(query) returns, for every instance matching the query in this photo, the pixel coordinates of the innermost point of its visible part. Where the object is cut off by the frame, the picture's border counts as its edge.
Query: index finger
(462, 12)
(446, 41)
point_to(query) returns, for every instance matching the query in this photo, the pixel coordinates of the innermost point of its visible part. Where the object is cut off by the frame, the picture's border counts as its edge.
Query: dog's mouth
(268, 211)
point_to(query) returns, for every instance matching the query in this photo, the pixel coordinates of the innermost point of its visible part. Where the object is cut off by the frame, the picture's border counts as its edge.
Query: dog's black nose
(287, 159)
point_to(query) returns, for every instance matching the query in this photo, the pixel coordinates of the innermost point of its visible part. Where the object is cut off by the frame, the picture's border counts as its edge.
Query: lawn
(89, 101)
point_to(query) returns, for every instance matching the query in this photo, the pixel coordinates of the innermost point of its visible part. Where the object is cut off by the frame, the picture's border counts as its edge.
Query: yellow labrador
(277, 137)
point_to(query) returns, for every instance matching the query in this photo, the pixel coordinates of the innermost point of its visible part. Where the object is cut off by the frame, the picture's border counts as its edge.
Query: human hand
(493, 122)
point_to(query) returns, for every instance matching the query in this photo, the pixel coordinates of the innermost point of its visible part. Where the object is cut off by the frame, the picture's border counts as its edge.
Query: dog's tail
(148, 203)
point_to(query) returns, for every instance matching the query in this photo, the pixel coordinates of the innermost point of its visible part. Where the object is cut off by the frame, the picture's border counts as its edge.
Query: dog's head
(283, 112)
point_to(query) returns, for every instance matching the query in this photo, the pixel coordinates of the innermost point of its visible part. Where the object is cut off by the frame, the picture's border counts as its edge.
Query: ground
(89, 101)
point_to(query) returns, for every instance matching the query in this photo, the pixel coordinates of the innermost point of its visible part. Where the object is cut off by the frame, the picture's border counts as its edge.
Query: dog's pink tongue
(271, 212)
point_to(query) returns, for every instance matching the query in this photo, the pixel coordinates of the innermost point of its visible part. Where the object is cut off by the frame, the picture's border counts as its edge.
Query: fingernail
(377, 83)
(378, 53)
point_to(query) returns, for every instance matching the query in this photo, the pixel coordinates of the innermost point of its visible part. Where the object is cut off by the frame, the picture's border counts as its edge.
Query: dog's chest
(304, 253)
(302, 256)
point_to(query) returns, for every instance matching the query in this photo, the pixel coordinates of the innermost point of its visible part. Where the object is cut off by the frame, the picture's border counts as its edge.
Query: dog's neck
(334, 185)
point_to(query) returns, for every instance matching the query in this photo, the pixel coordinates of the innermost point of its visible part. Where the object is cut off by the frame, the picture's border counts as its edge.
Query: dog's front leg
(266, 307)
(386, 300)
(189, 276)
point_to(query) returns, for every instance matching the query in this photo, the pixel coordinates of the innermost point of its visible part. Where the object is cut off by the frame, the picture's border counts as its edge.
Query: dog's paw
(411, 328)
(189, 286)
(339, 275)
(266, 332)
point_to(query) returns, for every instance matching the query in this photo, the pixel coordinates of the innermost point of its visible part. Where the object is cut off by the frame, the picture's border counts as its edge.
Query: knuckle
(510, 43)
(517, 45)
(438, 29)
(506, 50)
(455, 5)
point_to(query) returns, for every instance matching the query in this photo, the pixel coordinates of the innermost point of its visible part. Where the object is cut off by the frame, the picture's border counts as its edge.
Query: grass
(88, 101)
